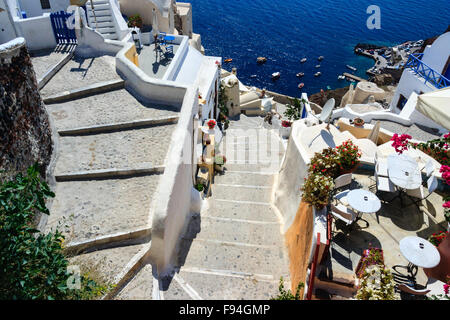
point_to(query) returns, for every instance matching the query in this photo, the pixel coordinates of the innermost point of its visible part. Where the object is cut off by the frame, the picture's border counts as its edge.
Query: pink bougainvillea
(445, 170)
(400, 143)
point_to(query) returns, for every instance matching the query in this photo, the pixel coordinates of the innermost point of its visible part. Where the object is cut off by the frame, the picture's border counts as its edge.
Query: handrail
(419, 67)
(313, 269)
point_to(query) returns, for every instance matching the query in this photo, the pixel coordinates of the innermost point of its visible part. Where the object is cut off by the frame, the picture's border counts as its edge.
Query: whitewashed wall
(37, 32)
(174, 196)
(7, 31)
(33, 7)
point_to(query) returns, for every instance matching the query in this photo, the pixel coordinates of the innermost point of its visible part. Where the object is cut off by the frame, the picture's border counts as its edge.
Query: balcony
(427, 73)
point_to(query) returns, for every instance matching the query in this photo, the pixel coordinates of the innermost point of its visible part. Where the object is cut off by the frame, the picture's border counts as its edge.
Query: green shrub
(287, 294)
(33, 265)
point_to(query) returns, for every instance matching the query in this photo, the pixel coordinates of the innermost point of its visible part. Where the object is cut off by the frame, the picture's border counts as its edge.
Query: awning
(436, 106)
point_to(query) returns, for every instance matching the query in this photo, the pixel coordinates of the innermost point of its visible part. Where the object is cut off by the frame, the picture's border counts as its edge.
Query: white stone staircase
(102, 21)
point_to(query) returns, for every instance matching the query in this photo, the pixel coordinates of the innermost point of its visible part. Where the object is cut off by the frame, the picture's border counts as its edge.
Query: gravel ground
(122, 149)
(417, 132)
(99, 207)
(79, 72)
(108, 108)
(45, 59)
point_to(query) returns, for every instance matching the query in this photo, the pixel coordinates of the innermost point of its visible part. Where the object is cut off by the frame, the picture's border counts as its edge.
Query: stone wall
(25, 135)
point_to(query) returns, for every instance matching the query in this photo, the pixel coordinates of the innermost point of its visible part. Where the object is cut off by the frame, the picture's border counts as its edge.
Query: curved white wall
(436, 55)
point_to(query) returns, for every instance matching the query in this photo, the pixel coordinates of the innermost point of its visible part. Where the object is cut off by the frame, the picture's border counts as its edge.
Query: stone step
(140, 287)
(242, 193)
(248, 232)
(122, 149)
(99, 9)
(102, 207)
(247, 166)
(107, 264)
(104, 24)
(112, 107)
(110, 36)
(106, 30)
(99, 20)
(236, 210)
(242, 178)
(88, 4)
(226, 287)
(269, 262)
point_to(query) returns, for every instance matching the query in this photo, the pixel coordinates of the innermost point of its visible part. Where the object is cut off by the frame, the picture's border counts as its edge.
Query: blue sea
(285, 31)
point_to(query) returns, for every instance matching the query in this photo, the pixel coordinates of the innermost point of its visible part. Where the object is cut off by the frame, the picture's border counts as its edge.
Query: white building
(425, 72)
(30, 20)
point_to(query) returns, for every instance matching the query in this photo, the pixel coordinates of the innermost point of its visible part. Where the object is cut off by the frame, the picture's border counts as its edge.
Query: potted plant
(211, 124)
(316, 190)
(135, 21)
(377, 283)
(219, 162)
(371, 256)
(446, 206)
(358, 122)
(325, 162)
(437, 237)
(349, 156)
(286, 127)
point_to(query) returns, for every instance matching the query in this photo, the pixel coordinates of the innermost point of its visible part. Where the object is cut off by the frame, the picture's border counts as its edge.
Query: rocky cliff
(25, 136)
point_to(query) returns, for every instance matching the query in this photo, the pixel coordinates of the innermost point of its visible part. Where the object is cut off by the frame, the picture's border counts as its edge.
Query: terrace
(339, 246)
(155, 60)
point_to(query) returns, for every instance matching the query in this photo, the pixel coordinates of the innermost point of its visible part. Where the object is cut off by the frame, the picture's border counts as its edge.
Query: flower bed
(377, 283)
(437, 237)
(371, 256)
(324, 168)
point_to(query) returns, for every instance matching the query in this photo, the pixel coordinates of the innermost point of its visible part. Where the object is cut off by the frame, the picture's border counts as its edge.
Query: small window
(45, 4)
(401, 102)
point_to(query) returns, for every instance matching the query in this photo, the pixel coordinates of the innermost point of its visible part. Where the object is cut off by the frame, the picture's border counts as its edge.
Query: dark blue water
(284, 31)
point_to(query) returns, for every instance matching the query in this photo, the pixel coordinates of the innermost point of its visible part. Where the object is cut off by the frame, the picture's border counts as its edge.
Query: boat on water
(261, 60)
(301, 85)
(341, 77)
(253, 76)
(320, 58)
(317, 74)
(303, 60)
(351, 67)
(300, 74)
(317, 65)
(228, 60)
(276, 75)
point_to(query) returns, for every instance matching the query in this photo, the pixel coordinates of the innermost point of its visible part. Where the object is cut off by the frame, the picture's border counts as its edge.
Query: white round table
(363, 201)
(404, 171)
(419, 252)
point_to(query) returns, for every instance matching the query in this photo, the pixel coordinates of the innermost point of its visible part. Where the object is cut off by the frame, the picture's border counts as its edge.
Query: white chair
(342, 181)
(419, 193)
(429, 167)
(381, 166)
(383, 183)
(343, 213)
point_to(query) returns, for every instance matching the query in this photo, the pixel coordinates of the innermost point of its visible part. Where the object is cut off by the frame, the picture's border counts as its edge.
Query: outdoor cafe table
(419, 252)
(363, 201)
(403, 171)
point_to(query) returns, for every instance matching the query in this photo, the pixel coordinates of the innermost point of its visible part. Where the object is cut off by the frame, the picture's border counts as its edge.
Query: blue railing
(435, 78)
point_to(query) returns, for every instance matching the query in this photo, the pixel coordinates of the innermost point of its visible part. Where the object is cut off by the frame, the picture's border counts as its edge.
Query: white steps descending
(101, 19)
(234, 248)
